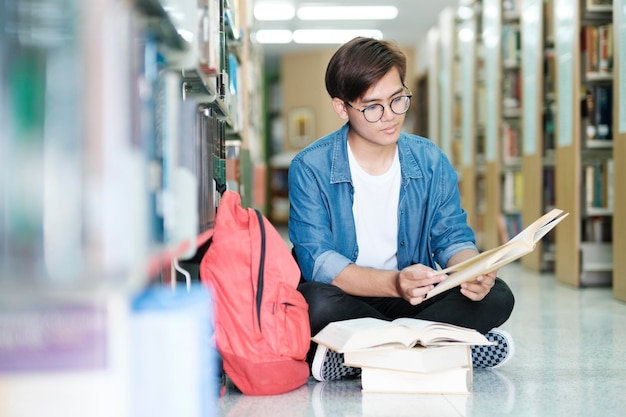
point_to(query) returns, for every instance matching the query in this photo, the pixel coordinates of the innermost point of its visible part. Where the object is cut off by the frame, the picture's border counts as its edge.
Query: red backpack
(262, 323)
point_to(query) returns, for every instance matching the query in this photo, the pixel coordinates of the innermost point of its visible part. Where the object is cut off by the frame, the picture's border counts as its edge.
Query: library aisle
(569, 361)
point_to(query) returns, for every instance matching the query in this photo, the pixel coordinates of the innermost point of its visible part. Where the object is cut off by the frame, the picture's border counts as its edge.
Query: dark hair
(360, 63)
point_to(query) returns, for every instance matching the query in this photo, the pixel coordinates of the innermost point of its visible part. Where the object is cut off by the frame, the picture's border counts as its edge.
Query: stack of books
(405, 355)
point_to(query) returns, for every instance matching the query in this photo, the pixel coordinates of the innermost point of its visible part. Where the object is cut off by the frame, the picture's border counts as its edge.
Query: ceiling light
(347, 12)
(465, 12)
(274, 11)
(466, 35)
(332, 36)
(273, 36)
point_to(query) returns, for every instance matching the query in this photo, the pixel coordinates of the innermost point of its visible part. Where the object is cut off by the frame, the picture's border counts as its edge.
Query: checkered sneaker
(328, 365)
(493, 356)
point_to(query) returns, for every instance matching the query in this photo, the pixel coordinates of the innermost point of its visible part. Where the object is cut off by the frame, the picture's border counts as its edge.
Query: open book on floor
(521, 244)
(367, 332)
(415, 359)
(451, 381)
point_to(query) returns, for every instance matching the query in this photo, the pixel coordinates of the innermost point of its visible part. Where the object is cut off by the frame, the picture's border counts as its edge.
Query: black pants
(328, 303)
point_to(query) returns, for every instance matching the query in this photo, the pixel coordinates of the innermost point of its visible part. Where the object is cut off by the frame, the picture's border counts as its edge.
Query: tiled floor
(570, 360)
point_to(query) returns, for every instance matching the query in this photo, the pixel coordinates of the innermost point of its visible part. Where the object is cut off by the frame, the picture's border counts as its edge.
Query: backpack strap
(260, 279)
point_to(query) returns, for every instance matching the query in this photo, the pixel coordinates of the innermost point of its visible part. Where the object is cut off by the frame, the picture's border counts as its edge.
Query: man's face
(386, 130)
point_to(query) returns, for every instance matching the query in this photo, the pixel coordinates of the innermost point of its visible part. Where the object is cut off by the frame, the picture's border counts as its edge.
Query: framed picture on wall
(301, 122)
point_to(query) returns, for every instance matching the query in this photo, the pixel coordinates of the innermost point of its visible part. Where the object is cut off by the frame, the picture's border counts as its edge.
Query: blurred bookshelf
(121, 122)
(552, 137)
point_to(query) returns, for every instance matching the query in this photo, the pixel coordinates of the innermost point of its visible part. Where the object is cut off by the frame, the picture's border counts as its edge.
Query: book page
(367, 332)
(521, 244)
(363, 333)
(417, 325)
(482, 263)
(430, 333)
(539, 228)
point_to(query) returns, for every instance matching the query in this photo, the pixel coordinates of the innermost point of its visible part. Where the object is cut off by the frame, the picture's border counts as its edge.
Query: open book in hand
(367, 332)
(521, 244)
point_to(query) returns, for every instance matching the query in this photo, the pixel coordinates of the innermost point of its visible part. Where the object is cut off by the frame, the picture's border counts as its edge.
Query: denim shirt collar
(340, 169)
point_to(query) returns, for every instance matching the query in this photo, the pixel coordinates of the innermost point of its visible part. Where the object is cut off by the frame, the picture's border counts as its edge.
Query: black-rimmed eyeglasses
(399, 105)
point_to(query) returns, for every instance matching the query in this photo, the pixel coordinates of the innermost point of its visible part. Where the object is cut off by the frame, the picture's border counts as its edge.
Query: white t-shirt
(375, 211)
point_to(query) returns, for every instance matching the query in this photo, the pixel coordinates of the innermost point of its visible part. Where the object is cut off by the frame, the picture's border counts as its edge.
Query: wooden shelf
(578, 250)
(619, 151)
(555, 158)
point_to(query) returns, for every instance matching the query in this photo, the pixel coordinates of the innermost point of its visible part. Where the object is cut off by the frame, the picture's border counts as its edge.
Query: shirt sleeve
(309, 226)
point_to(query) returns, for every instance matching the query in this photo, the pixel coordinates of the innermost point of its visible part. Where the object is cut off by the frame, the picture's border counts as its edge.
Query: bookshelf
(434, 74)
(213, 79)
(115, 126)
(619, 149)
(467, 160)
(584, 142)
(143, 153)
(67, 122)
(480, 121)
(468, 147)
(446, 90)
(458, 83)
(492, 23)
(537, 148)
(510, 132)
(561, 147)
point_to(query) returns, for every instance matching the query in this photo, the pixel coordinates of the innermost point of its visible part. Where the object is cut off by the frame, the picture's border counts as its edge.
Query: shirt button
(401, 243)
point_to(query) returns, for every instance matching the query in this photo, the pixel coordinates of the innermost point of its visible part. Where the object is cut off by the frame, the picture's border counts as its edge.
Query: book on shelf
(597, 49)
(598, 183)
(590, 48)
(521, 244)
(450, 381)
(209, 37)
(599, 5)
(512, 191)
(598, 113)
(603, 112)
(509, 224)
(369, 332)
(511, 6)
(511, 146)
(605, 48)
(511, 44)
(416, 359)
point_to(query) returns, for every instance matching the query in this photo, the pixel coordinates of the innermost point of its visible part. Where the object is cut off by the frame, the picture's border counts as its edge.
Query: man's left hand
(478, 289)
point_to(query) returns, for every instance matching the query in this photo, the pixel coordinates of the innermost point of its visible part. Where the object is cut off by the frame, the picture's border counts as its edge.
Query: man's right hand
(415, 281)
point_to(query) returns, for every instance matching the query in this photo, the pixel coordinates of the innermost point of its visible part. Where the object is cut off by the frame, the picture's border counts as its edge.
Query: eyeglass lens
(398, 105)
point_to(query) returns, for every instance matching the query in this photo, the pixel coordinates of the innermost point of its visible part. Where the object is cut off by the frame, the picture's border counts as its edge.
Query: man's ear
(340, 108)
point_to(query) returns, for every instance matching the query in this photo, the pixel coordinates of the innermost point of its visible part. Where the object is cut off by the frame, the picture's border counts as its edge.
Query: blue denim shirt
(432, 226)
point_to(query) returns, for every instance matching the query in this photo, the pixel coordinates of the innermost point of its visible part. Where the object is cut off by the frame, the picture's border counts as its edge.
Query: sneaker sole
(318, 362)
(490, 356)
(328, 365)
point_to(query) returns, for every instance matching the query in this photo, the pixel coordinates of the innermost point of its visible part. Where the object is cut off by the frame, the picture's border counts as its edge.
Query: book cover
(451, 381)
(604, 112)
(65, 357)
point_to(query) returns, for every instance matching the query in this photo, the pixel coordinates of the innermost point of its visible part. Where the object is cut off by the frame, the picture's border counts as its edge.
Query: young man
(375, 210)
